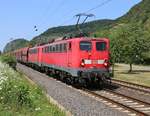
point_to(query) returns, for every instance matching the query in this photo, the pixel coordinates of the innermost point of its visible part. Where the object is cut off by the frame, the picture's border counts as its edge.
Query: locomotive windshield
(100, 46)
(85, 45)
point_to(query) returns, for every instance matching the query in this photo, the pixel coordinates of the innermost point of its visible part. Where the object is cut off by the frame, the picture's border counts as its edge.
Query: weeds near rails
(19, 97)
(13, 91)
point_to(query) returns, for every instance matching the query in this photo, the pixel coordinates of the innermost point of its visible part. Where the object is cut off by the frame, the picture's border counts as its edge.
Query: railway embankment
(19, 97)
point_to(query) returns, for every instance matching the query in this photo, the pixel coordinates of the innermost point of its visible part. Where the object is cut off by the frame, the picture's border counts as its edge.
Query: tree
(117, 38)
(128, 44)
(135, 45)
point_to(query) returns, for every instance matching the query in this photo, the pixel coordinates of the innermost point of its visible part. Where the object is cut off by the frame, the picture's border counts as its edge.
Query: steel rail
(115, 102)
(128, 97)
(134, 86)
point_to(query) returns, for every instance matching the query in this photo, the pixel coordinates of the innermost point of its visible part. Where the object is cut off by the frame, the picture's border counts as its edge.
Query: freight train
(79, 60)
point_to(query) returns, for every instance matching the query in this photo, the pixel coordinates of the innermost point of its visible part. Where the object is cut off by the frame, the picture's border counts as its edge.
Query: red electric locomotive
(76, 60)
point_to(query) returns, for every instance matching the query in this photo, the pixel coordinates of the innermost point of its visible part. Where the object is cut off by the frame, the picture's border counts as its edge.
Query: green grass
(138, 76)
(18, 97)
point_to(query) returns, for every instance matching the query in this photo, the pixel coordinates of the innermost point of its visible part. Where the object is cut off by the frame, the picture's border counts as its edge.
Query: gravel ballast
(71, 99)
(133, 93)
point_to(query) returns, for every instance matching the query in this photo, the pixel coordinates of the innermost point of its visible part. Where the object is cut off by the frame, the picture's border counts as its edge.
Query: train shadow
(92, 87)
(111, 86)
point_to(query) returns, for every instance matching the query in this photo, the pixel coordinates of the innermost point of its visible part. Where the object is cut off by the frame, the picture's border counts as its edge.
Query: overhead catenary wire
(57, 8)
(53, 12)
(72, 18)
(91, 9)
(48, 7)
(66, 15)
(43, 15)
(98, 6)
(66, 21)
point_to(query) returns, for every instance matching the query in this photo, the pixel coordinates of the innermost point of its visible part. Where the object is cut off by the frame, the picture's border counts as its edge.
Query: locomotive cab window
(85, 45)
(100, 46)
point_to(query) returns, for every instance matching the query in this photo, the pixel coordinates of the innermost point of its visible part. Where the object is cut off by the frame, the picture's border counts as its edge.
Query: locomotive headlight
(82, 63)
(106, 63)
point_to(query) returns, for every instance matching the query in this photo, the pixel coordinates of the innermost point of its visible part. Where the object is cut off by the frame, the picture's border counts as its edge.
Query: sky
(18, 17)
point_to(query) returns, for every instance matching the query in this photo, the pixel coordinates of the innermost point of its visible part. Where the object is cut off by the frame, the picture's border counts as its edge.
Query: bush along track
(10, 60)
(18, 96)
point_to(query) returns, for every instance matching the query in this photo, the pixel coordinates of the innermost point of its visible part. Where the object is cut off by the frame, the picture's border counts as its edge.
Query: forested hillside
(61, 31)
(15, 44)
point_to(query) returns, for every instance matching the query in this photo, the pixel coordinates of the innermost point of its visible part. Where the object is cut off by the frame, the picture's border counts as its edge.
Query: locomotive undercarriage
(86, 78)
(94, 77)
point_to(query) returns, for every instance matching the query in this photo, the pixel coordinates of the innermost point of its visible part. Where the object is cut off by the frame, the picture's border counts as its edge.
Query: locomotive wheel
(62, 76)
(76, 82)
(46, 70)
(42, 69)
(82, 82)
(68, 81)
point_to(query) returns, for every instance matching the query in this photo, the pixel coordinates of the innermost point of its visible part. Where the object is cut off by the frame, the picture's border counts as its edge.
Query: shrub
(10, 60)
(14, 92)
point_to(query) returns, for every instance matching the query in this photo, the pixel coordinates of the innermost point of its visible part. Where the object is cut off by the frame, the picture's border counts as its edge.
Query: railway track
(126, 104)
(141, 88)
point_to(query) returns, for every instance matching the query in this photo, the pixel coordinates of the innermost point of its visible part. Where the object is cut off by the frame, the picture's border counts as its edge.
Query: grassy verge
(19, 97)
(140, 74)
